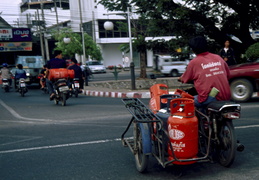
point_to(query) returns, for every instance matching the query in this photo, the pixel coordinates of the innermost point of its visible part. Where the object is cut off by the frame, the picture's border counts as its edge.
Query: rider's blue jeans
(50, 86)
(204, 104)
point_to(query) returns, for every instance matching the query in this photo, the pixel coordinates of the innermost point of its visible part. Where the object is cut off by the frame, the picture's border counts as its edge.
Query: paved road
(40, 140)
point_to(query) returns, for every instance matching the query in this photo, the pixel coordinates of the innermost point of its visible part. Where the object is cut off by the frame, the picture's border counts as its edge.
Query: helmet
(5, 64)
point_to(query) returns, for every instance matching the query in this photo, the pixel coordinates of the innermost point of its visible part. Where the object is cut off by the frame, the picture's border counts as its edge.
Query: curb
(116, 94)
(143, 95)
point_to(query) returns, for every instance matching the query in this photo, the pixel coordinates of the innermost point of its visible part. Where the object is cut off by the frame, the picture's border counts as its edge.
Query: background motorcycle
(5, 85)
(22, 89)
(61, 91)
(75, 85)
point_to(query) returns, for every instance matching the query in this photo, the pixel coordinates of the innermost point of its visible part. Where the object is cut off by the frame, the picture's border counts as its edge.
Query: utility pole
(56, 13)
(44, 32)
(82, 31)
(37, 17)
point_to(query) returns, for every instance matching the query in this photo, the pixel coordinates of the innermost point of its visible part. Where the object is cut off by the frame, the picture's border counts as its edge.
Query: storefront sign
(15, 46)
(15, 34)
(6, 34)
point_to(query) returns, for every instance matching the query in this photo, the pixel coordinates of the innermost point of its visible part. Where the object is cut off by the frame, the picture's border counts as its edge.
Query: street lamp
(108, 25)
(66, 40)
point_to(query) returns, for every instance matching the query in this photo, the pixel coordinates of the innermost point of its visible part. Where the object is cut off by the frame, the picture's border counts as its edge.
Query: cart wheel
(227, 148)
(141, 159)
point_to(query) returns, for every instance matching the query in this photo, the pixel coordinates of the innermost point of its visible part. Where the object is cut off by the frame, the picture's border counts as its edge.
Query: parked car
(96, 67)
(244, 81)
(175, 69)
(164, 60)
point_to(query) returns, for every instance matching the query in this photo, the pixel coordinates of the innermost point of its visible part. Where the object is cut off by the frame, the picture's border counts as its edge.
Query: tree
(253, 52)
(75, 46)
(217, 19)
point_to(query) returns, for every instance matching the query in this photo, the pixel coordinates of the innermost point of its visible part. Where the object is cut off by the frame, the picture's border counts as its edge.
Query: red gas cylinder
(60, 73)
(183, 130)
(155, 92)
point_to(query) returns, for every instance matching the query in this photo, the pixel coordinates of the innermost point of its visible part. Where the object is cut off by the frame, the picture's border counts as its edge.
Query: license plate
(77, 85)
(22, 84)
(5, 83)
(63, 88)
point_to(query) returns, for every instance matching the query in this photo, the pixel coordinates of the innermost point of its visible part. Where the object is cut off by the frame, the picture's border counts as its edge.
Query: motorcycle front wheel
(141, 160)
(226, 150)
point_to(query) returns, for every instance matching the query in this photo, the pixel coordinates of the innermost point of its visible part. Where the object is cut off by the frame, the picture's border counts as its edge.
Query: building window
(119, 30)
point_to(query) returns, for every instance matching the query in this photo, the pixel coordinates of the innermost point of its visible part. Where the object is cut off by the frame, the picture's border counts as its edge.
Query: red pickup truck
(244, 81)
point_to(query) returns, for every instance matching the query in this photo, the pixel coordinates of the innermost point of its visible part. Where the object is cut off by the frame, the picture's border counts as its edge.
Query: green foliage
(75, 46)
(216, 19)
(253, 51)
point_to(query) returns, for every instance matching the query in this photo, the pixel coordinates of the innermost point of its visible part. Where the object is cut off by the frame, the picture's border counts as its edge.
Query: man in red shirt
(207, 71)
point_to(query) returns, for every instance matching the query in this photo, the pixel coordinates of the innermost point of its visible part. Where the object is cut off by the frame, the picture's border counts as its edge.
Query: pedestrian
(19, 74)
(78, 72)
(227, 53)
(6, 73)
(209, 72)
(54, 63)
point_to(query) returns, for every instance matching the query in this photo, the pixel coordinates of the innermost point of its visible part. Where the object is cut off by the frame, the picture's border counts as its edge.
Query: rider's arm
(47, 73)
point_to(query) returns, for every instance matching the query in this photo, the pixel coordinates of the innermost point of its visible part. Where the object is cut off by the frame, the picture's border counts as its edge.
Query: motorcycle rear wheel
(56, 101)
(64, 98)
(76, 93)
(226, 150)
(6, 89)
(22, 92)
(141, 160)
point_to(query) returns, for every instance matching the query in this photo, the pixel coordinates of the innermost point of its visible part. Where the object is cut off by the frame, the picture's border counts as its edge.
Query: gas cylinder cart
(174, 135)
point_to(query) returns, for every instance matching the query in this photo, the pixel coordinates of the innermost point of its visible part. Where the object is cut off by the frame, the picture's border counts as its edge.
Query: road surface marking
(60, 146)
(248, 126)
(15, 114)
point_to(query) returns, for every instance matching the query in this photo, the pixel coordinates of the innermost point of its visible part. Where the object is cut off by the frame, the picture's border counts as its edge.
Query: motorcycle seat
(60, 81)
(219, 105)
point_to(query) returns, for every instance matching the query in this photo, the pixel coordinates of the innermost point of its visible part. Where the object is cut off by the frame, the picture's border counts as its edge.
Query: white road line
(15, 114)
(249, 126)
(56, 146)
(62, 145)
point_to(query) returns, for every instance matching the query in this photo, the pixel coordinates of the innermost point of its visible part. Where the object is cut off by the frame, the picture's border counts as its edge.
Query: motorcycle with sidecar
(176, 133)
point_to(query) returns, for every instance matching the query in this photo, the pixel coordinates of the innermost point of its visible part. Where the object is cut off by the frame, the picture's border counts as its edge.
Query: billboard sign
(6, 34)
(15, 34)
(15, 46)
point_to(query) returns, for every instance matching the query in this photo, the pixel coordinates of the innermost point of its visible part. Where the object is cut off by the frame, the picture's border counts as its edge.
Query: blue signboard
(15, 35)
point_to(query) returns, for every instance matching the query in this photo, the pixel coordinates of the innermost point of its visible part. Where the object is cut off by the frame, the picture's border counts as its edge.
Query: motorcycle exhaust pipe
(240, 147)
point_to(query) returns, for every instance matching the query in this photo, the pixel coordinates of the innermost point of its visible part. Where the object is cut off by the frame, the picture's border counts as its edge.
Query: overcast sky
(10, 10)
